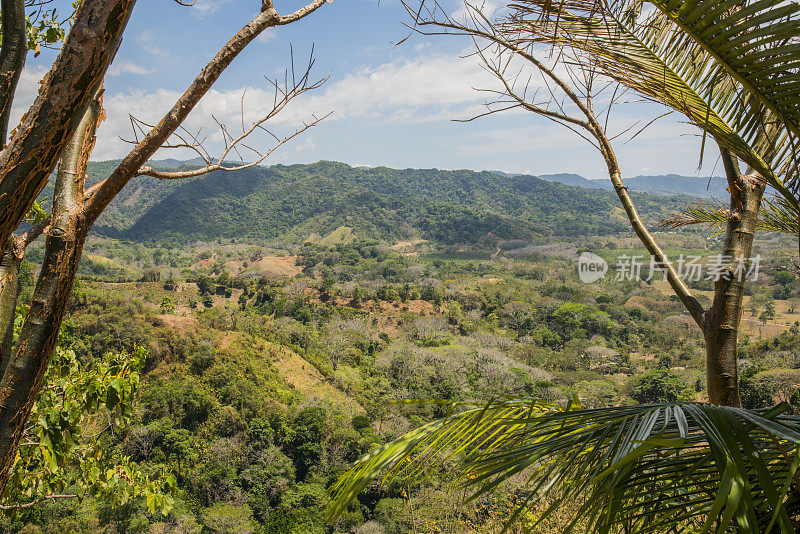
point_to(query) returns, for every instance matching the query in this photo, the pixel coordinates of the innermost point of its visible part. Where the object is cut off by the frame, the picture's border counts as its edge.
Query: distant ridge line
(664, 184)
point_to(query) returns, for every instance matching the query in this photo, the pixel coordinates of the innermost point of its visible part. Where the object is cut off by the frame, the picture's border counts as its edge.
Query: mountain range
(296, 202)
(664, 184)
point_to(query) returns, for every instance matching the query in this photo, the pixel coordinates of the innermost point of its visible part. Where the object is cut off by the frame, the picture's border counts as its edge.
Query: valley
(274, 360)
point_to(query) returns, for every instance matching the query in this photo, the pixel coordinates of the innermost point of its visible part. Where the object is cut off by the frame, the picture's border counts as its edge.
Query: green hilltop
(297, 202)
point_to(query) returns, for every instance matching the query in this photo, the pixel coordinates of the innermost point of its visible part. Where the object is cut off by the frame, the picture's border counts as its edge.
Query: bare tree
(61, 125)
(730, 69)
(551, 39)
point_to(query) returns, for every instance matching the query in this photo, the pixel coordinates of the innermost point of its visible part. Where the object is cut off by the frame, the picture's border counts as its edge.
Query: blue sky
(392, 105)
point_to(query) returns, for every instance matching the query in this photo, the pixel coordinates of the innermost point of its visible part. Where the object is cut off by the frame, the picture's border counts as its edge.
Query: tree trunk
(12, 61)
(34, 148)
(12, 57)
(721, 321)
(20, 384)
(9, 290)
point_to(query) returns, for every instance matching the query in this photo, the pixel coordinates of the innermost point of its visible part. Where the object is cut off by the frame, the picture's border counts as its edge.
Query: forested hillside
(297, 201)
(266, 372)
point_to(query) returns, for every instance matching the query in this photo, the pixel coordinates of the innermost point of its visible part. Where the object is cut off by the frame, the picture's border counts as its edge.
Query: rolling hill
(294, 202)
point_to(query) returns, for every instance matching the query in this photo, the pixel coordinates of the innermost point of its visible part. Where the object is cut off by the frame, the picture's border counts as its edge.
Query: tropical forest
(410, 266)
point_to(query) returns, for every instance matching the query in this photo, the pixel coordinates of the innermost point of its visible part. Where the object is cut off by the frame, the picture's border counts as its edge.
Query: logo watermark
(592, 268)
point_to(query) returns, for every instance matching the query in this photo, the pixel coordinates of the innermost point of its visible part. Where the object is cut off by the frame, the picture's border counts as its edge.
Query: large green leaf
(660, 59)
(679, 467)
(758, 45)
(775, 215)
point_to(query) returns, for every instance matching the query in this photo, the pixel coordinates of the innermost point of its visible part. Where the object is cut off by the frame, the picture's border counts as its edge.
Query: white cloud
(147, 41)
(267, 35)
(466, 10)
(428, 88)
(126, 67)
(204, 8)
(307, 146)
(390, 95)
(407, 90)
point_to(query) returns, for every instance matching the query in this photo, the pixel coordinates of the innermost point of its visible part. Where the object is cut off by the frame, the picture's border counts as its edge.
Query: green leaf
(654, 468)
(685, 56)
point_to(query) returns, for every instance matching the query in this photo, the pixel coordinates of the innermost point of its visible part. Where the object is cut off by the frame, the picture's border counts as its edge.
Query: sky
(398, 105)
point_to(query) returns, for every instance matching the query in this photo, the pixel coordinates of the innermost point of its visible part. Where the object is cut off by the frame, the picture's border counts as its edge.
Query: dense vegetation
(298, 202)
(266, 370)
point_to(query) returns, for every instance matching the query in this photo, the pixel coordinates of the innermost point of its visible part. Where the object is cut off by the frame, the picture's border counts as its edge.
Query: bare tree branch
(219, 165)
(283, 94)
(157, 136)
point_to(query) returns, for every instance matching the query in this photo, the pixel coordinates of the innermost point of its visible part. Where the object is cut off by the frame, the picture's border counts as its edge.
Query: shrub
(660, 385)
(360, 422)
(225, 518)
(202, 358)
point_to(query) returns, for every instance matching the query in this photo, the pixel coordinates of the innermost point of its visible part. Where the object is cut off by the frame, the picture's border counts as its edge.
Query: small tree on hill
(660, 386)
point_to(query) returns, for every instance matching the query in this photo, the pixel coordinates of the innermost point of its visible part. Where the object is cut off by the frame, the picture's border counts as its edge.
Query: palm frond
(678, 467)
(776, 215)
(758, 45)
(661, 60)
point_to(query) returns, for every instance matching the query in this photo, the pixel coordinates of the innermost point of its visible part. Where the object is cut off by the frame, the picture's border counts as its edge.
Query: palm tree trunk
(721, 321)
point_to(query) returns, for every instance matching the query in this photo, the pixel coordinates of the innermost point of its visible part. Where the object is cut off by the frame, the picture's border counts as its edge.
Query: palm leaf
(660, 60)
(758, 46)
(678, 467)
(776, 215)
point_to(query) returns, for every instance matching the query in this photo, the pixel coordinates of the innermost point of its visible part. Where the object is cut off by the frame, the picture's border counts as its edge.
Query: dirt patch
(754, 327)
(303, 376)
(422, 307)
(270, 266)
(131, 200)
(227, 340)
(285, 266)
(406, 248)
(181, 323)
